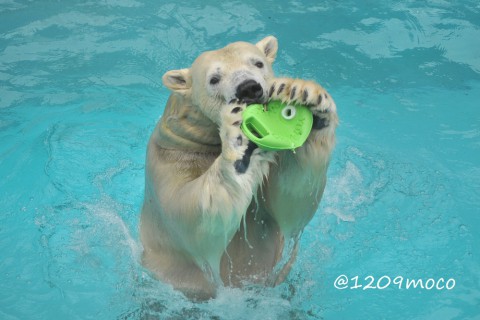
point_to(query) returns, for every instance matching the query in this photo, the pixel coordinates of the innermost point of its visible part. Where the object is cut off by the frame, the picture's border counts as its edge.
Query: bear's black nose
(249, 91)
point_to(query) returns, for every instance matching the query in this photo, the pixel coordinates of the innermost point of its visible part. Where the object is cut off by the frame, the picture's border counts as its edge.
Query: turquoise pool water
(80, 92)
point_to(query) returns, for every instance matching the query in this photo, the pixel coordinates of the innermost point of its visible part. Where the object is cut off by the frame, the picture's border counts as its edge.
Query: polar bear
(217, 209)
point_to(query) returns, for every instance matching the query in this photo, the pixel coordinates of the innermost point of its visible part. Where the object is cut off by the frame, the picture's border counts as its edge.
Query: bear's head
(240, 71)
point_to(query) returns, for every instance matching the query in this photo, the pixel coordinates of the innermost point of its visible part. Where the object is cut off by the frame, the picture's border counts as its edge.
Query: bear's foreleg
(198, 218)
(296, 182)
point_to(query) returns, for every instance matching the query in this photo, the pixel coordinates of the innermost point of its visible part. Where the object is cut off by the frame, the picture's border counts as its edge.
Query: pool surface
(80, 93)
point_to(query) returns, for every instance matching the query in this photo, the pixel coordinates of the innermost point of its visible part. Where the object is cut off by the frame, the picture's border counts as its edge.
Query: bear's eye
(259, 64)
(214, 80)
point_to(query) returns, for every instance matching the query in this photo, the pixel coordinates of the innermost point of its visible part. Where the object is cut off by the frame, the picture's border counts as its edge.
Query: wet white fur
(195, 200)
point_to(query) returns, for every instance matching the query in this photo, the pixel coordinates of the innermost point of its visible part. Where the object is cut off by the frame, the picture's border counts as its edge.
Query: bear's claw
(236, 146)
(307, 93)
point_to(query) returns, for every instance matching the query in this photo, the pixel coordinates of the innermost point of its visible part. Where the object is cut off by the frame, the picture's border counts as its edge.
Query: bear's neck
(184, 127)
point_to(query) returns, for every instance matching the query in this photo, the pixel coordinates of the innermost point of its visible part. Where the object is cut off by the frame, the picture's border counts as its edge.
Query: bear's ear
(178, 80)
(269, 46)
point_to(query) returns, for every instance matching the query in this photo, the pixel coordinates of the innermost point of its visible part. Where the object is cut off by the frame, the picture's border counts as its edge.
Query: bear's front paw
(309, 93)
(236, 148)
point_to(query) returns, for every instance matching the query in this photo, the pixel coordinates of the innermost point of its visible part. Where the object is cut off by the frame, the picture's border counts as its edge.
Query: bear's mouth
(249, 101)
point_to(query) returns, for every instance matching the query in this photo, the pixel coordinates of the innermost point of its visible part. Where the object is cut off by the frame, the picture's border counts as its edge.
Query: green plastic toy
(277, 126)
